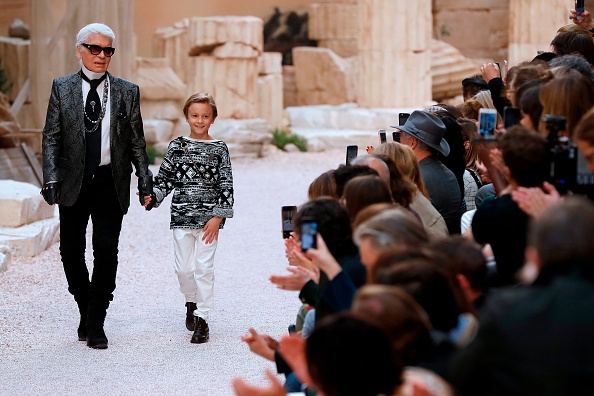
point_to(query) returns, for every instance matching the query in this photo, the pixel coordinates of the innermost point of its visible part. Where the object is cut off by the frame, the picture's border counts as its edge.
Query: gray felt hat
(428, 128)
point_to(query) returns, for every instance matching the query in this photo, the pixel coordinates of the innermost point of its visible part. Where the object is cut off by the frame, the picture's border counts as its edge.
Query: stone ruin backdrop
(374, 58)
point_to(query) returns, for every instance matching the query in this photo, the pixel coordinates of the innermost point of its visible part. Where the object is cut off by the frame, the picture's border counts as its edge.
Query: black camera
(569, 169)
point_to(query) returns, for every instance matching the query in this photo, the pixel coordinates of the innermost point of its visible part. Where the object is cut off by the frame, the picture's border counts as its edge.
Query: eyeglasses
(96, 50)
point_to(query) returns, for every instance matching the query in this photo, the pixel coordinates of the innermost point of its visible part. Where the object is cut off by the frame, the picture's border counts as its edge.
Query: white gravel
(149, 347)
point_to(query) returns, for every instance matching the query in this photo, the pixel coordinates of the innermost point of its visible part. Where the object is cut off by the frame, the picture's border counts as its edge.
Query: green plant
(281, 138)
(153, 153)
(5, 85)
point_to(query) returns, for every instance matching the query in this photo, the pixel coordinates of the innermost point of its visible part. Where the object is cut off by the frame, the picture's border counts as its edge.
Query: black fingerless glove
(145, 187)
(51, 192)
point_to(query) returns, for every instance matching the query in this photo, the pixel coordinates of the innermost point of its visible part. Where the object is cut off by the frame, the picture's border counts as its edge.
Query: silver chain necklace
(103, 107)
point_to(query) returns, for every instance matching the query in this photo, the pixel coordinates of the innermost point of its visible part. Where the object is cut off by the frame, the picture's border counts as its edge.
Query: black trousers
(97, 200)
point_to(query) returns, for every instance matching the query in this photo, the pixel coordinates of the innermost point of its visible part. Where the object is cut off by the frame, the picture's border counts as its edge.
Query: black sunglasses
(96, 50)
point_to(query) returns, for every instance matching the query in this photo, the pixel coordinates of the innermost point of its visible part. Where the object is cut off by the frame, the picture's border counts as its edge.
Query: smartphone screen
(487, 122)
(382, 136)
(579, 9)
(287, 213)
(396, 136)
(309, 231)
(402, 117)
(351, 153)
(511, 116)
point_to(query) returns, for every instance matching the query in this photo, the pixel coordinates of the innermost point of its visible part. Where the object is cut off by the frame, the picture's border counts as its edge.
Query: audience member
(500, 222)
(423, 132)
(323, 186)
(362, 191)
(473, 85)
(537, 340)
(408, 166)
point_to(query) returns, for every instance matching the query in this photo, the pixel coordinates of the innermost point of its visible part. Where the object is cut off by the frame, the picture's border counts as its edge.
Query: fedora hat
(428, 128)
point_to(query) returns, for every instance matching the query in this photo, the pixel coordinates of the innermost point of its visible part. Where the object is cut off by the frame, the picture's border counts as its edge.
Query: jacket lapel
(74, 101)
(115, 97)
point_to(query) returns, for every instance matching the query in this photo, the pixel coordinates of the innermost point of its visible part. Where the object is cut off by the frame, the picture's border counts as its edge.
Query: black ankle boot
(200, 335)
(190, 315)
(96, 337)
(83, 306)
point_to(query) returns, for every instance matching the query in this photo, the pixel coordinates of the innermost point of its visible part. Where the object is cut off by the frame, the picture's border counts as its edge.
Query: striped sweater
(199, 174)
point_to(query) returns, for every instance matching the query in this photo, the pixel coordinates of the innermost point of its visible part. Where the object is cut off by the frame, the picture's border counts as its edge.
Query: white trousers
(194, 267)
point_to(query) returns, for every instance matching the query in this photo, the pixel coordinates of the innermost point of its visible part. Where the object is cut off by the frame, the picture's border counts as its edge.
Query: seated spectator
(521, 74)
(494, 98)
(424, 132)
(349, 356)
(388, 229)
(575, 61)
(472, 177)
(569, 42)
(362, 191)
(323, 186)
(464, 259)
(344, 173)
(570, 97)
(486, 101)
(407, 164)
(500, 222)
(407, 324)
(470, 109)
(529, 104)
(473, 85)
(537, 340)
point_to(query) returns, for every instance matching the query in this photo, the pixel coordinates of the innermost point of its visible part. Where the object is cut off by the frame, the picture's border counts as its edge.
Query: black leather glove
(145, 187)
(51, 192)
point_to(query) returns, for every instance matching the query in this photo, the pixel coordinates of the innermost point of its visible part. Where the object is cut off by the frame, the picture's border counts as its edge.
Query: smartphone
(351, 153)
(579, 9)
(511, 116)
(505, 69)
(309, 232)
(382, 136)
(402, 117)
(487, 122)
(396, 136)
(287, 213)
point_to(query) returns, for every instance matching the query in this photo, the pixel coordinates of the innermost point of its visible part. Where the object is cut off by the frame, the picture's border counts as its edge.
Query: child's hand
(211, 230)
(147, 200)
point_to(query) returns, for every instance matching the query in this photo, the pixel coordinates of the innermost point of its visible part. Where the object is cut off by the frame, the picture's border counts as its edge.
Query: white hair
(94, 28)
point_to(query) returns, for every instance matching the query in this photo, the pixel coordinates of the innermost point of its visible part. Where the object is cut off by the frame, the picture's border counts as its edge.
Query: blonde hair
(484, 98)
(406, 161)
(201, 97)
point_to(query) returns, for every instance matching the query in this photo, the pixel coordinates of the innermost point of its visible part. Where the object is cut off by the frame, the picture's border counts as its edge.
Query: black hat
(428, 128)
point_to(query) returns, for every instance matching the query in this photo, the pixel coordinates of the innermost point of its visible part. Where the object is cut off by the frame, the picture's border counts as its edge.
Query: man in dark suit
(537, 339)
(93, 135)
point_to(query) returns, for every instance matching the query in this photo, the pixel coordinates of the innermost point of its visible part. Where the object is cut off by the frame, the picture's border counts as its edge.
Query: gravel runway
(149, 347)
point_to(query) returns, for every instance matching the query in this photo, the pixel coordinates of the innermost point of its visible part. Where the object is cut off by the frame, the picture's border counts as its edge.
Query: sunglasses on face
(96, 50)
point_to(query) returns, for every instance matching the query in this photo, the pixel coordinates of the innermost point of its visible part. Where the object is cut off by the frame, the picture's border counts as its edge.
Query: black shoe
(97, 339)
(200, 335)
(82, 328)
(190, 315)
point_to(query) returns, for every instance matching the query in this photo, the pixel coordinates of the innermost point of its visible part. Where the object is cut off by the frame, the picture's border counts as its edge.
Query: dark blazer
(64, 138)
(536, 340)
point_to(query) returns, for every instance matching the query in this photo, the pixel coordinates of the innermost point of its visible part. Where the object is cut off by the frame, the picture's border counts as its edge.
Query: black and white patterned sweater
(199, 174)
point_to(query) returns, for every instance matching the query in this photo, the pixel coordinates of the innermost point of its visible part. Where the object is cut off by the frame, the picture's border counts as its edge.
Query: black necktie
(93, 123)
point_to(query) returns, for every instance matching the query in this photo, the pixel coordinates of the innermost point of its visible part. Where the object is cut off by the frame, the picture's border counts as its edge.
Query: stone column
(533, 25)
(394, 53)
(54, 25)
